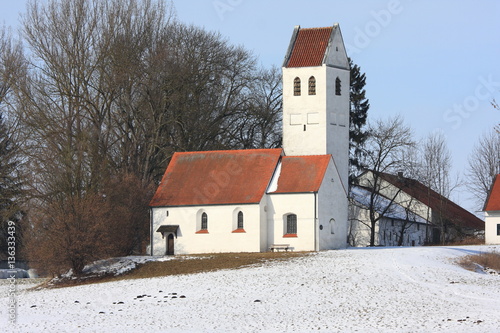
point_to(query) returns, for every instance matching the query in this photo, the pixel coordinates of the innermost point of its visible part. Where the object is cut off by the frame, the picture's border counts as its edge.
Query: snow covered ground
(416, 289)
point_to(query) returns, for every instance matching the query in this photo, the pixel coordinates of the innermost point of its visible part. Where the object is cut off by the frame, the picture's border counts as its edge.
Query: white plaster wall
(390, 230)
(337, 55)
(332, 211)
(387, 230)
(337, 111)
(296, 141)
(220, 236)
(490, 227)
(301, 204)
(360, 232)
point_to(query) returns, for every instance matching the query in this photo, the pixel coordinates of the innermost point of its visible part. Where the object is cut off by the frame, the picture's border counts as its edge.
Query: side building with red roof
(256, 200)
(409, 213)
(492, 214)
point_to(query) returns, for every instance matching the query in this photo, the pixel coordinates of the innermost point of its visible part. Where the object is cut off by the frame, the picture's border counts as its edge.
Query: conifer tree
(358, 114)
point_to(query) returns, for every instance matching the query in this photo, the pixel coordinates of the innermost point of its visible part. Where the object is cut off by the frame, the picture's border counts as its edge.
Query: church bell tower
(316, 96)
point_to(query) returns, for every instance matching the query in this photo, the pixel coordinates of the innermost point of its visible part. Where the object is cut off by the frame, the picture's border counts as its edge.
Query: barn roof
(493, 201)
(450, 210)
(216, 177)
(301, 174)
(308, 47)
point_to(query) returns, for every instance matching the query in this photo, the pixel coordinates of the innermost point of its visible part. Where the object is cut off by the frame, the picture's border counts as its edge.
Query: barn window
(296, 87)
(291, 225)
(240, 220)
(312, 85)
(338, 87)
(498, 229)
(204, 221)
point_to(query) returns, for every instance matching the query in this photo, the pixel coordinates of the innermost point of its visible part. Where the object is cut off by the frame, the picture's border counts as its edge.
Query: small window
(296, 87)
(498, 229)
(338, 87)
(240, 220)
(312, 85)
(291, 224)
(204, 221)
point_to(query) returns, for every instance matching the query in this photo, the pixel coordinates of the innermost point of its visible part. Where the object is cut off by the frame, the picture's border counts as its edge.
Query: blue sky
(436, 63)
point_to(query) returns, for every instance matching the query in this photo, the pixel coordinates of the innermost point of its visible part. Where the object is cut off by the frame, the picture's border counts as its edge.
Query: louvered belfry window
(296, 86)
(312, 85)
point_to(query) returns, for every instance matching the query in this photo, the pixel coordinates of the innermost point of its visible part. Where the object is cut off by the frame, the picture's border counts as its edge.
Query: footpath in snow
(417, 289)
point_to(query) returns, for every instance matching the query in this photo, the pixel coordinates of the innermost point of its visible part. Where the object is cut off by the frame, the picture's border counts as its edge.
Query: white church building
(253, 200)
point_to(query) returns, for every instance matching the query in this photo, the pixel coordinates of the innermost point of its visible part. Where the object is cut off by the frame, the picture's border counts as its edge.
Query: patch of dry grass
(190, 265)
(486, 260)
(468, 241)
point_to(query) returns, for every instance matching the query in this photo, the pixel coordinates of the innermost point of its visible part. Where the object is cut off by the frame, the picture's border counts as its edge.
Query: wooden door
(170, 244)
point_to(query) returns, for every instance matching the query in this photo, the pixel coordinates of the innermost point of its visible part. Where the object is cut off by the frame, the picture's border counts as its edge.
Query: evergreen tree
(10, 189)
(358, 114)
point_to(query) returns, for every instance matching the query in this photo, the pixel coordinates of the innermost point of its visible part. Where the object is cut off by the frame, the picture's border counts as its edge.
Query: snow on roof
(449, 210)
(362, 196)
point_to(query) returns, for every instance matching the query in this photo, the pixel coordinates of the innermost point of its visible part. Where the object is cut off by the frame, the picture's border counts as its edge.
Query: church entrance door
(170, 244)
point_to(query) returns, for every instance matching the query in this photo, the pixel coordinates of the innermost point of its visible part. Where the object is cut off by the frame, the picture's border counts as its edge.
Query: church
(256, 200)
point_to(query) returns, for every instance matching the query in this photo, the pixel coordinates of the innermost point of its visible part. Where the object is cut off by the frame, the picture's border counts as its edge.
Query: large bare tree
(114, 88)
(387, 150)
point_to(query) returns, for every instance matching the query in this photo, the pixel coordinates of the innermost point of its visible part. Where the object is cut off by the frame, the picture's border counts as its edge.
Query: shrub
(485, 259)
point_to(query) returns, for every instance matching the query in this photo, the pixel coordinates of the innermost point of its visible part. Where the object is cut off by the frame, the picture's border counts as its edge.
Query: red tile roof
(309, 47)
(449, 210)
(216, 177)
(493, 200)
(301, 174)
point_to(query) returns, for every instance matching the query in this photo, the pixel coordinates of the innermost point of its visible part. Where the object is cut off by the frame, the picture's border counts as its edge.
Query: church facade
(252, 200)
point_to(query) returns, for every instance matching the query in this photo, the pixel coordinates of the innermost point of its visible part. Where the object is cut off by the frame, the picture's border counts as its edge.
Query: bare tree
(484, 165)
(12, 66)
(260, 125)
(386, 150)
(72, 110)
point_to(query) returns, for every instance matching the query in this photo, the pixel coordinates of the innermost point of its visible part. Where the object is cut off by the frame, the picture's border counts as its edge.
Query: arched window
(312, 85)
(204, 221)
(291, 224)
(338, 88)
(296, 87)
(240, 220)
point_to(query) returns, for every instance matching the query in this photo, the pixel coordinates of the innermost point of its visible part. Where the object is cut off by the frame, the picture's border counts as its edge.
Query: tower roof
(309, 47)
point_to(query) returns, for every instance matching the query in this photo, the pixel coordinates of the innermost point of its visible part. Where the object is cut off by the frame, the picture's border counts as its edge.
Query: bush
(489, 260)
(77, 230)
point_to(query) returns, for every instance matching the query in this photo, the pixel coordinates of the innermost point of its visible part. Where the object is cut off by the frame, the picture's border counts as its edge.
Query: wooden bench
(279, 247)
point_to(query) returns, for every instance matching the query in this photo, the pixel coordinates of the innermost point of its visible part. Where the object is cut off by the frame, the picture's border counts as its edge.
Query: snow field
(416, 289)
